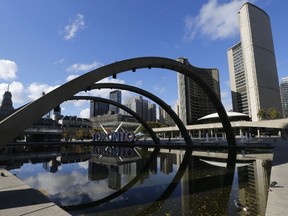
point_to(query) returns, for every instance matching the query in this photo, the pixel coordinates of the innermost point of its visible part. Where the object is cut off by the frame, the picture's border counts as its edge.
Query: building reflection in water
(202, 190)
(52, 165)
(254, 185)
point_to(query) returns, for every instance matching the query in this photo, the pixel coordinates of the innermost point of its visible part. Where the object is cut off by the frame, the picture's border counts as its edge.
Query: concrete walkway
(17, 198)
(278, 195)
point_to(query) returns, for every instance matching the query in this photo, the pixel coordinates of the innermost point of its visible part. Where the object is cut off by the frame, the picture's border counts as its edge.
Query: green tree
(67, 134)
(273, 113)
(79, 134)
(152, 125)
(155, 124)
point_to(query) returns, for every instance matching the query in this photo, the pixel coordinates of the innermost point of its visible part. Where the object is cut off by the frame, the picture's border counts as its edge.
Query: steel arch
(17, 122)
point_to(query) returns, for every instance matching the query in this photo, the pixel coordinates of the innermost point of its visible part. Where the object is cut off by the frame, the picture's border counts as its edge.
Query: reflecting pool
(149, 181)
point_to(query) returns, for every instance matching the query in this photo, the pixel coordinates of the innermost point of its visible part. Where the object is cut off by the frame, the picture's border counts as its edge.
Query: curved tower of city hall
(252, 64)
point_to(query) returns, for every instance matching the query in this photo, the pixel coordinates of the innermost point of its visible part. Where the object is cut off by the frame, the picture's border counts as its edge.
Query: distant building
(252, 65)
(74, 122)
(43, 130)
(238, 79)
(193, 101)
(152, 112)
(164, 118)
(101, 108)
(284, 96)
(98, 108)
(214, 118)
(7, 105)
(135, 104)
(145, 109)
(112, 121)
(117, 97)
(57, 113)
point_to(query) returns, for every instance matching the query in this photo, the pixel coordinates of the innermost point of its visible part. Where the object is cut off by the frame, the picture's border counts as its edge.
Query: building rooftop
(229, 114)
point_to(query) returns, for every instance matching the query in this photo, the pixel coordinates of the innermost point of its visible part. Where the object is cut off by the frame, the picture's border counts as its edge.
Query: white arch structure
(25, 116)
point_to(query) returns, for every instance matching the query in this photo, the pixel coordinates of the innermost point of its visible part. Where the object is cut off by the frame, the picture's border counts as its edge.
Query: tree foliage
(271, 113)
(152, 125)
(262, 114)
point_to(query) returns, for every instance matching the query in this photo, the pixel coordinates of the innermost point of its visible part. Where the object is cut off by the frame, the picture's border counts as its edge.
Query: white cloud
(83, 67)
(159, 89)
(69, 188)
(8, 69)
(224, 94)
(60, 61)
(139, 83)
(226, 100)
(71, 77)
(214, 21)
(71, 29)
(80, 103)
(227, 104)
(85, 113)
(111, 80)
(35, 90)
(104, 93)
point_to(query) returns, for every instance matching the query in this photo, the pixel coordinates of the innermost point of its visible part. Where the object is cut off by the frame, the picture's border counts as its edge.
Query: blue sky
(44, 44)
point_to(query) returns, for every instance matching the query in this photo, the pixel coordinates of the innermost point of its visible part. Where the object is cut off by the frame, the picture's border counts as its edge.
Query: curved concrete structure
(17, 122)
(134, 114)
(160, 102)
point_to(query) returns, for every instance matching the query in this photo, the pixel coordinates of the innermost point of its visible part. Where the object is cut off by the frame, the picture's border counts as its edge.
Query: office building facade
(256, 87)
(145, 109)
(284, 96)
(193, 101)
(117, 97)
(238, 79)
(165, 118)
(98, 108)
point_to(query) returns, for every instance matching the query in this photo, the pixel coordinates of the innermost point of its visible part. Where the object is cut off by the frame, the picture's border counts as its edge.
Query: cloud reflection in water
(68, 187)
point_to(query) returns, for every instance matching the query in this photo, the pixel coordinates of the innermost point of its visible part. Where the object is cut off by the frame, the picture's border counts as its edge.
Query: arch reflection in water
(199, 187)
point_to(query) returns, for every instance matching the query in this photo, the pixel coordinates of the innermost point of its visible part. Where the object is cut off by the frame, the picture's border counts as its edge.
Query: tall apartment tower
(284, 96)
(238, 79)
(193, 101)
(252, 64)
(117, 97)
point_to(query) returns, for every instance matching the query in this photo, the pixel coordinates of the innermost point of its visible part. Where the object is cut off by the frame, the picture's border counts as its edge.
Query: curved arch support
(17, 122)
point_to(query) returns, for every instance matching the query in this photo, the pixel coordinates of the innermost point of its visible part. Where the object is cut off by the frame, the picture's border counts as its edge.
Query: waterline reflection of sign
(114, 137)
(113, 151)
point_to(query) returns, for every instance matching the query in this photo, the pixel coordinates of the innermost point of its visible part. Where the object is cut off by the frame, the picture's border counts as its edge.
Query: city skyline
(40, 54)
